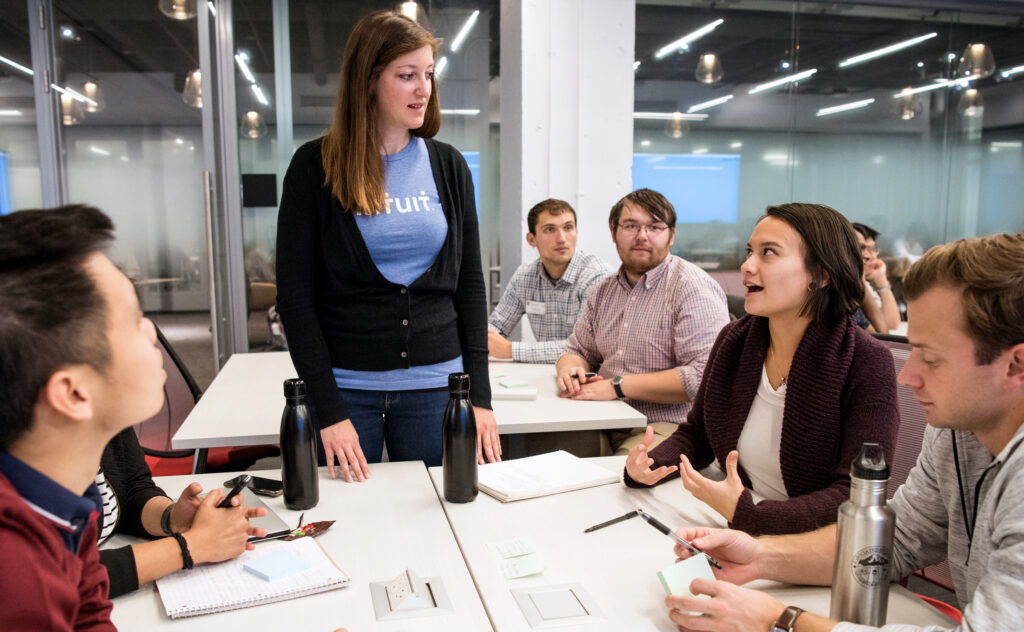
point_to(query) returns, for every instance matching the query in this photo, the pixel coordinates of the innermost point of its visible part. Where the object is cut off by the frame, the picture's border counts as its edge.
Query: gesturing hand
(722, 496)
(342, 441)
(638, 464)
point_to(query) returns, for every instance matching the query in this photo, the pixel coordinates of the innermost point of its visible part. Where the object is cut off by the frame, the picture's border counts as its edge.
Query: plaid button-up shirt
(669, 319)
(561, 301)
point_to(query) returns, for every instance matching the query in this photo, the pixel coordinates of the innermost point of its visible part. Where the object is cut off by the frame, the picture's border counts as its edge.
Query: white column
(566, 116)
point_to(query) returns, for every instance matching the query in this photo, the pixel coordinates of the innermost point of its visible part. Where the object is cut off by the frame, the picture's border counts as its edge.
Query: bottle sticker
(871, 566)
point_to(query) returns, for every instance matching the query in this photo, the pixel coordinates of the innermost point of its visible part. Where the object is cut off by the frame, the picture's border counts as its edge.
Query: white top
(761, 440)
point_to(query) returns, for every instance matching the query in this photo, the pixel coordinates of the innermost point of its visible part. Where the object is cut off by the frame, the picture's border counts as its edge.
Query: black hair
(866, 231)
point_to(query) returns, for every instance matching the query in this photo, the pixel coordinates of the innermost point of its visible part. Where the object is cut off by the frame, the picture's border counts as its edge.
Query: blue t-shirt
(403, 242)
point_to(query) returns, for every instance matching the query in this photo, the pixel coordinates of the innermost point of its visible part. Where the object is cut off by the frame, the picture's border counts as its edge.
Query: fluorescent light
(463, 112)
(409, 10)
(668, 116)
(636, 65)
(179, 141)
(950, 56)
(241, 57)
(1007, 144)
(709, 104)
(124, 158)
(464, 31)
(775, 157)
(81, 98)
(645, 143)
(885, 51)
(855, 105)
(213, 9)
(10, 112)
(878, 160)
(67, 32)
(259, 94)
(684, 41)
(700, 150)
(735, 145)
(1005, 73)
(441, 65)
(778, 82)
(16, 65)
(97, 150)
(945, 83)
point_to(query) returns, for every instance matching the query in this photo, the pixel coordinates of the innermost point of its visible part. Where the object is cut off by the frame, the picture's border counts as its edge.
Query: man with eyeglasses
(879, 304)
(647, 330)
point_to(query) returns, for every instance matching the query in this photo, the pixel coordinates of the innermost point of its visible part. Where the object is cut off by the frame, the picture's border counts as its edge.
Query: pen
(576, 376)
(657, 524)
(608, 523)
(240, 483)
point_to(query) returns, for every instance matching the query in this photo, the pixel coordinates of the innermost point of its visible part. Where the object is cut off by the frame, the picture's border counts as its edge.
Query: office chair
(908, 444)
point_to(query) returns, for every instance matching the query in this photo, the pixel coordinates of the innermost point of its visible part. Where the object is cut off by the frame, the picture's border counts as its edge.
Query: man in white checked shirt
(551, 289)
(648, 329)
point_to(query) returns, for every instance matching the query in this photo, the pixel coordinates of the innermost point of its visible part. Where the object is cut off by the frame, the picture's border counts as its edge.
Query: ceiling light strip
(709, 104)
(464, 31)
(16, 65)
(1006, 73)
(668, 116)
(800, 76)
(885, 51)
(946, 83)
(241, 57)
(846, 107)
(441, 65)
(464, 112)
(81, 98)
(259, 94)
(686, 39)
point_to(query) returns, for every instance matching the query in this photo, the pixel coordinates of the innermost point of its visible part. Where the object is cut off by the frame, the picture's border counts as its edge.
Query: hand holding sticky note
(676, 578)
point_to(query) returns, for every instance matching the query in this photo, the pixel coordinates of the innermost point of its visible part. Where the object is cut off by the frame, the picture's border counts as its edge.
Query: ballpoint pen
(657, 524)
(608, 523)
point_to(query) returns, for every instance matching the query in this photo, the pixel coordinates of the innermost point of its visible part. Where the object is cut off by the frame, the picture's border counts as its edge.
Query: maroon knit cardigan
(840, 393)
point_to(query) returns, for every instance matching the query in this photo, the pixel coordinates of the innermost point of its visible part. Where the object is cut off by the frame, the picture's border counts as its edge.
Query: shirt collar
(68, 511)
(649, 278)
(571, 271)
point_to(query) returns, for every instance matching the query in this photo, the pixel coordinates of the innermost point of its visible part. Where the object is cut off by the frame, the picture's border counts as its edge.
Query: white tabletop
(243, 405)
(616, 565)
(385, 525)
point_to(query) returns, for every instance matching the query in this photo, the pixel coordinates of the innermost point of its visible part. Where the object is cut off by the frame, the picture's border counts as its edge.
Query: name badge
(536, 307)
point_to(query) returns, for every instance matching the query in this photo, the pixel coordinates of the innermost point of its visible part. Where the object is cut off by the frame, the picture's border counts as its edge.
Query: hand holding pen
(657, 524)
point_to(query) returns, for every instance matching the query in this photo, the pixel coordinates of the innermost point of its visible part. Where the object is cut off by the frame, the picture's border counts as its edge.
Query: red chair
(180, 395)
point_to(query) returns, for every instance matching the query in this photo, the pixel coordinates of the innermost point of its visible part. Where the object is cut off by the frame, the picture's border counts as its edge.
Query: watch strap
(617, 385)
(787, 619)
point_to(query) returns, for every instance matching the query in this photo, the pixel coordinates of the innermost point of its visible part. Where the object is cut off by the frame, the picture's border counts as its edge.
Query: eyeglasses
(869, 250)
(633, 228)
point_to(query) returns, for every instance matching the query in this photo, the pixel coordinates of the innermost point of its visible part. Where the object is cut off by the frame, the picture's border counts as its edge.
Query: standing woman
(791, 391)
(380, 287)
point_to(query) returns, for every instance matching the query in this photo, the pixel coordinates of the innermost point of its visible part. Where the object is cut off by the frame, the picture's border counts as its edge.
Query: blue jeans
(408, 421)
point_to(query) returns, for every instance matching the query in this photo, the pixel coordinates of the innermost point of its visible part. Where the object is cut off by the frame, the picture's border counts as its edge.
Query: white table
(385, 525)
(616, 565)
(244, 402)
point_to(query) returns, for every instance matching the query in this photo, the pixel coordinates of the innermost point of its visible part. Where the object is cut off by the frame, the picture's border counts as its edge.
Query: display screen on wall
(701, 187)
(473, 161)
(5, 186)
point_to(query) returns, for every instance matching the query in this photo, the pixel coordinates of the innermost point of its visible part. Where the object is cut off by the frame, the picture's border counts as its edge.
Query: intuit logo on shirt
(407, 204)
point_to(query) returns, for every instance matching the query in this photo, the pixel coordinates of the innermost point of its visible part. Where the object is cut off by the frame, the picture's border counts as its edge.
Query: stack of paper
(508, 388)
(541, 475)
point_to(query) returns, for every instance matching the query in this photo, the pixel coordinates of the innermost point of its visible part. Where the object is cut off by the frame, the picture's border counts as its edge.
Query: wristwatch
(786, 620)
(617, 385)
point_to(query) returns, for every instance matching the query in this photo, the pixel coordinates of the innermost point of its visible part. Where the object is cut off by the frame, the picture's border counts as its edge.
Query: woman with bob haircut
(380, 287)
(791, 391)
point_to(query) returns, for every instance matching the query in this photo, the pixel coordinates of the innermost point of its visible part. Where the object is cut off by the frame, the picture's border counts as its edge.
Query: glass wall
(19, 152)
(881, 112)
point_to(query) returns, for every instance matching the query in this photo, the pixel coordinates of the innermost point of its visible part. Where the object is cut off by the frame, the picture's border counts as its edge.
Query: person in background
(78, 365)
(646, 330)
(882, 310)
(380, 287)
(964, 499)
(551, 289)
(791, 391)
(134, 505)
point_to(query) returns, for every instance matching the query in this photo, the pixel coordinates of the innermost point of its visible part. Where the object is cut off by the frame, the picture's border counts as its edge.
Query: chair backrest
(912, 420)
(180, 396)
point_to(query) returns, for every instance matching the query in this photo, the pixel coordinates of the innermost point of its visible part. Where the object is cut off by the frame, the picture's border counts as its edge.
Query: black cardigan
(338, 310)
(129, 477)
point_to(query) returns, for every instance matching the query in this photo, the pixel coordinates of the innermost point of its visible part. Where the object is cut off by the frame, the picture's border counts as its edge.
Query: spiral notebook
(226, 585)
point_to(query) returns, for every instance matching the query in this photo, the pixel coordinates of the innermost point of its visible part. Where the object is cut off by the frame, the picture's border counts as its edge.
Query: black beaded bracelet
(165, 519)
(186, 557)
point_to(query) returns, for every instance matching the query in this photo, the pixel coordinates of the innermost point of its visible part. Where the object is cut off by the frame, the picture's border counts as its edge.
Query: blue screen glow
(702, 187)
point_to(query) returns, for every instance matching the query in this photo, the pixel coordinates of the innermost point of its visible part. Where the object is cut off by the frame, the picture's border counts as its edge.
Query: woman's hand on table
(488, 443)
(219, 534)
(342, 441)
(638, 464)
(721, 496)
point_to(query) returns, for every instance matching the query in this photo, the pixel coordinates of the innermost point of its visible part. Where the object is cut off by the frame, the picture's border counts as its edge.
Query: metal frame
(48, 112)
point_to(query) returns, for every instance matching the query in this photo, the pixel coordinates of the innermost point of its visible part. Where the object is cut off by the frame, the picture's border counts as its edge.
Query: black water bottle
(459, 437)
(298, 449)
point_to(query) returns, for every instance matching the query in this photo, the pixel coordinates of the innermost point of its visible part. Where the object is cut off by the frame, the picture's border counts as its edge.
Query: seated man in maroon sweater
(78, 364)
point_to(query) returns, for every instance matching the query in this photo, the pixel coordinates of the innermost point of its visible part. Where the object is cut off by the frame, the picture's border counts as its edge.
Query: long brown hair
(351, 148)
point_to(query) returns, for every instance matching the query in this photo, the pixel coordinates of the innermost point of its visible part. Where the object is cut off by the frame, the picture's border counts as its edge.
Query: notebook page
(543, 474)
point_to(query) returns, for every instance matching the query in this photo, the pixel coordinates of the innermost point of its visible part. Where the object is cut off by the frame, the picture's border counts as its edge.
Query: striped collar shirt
(551, 306)
(669, 319)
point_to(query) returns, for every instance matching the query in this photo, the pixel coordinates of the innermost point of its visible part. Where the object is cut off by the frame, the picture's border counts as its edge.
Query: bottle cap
(870, 464)
(458, 383)
(294, 388)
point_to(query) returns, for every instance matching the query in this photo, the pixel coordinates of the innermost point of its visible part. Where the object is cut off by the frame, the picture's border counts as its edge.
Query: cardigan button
(403, 290)
(404, 354)
(405, 323)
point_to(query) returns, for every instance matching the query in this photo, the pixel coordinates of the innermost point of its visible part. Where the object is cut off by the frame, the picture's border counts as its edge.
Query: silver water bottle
(860, 577)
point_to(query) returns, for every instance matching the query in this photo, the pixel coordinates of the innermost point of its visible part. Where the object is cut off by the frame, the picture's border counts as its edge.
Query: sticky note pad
(676, 578)
(507, 383)
(515, 567)
(276, 565)
(513, 547)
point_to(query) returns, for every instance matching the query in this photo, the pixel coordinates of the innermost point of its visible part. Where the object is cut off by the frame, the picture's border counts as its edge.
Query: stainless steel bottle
(298, 449)
(458, 460)
(860, 578)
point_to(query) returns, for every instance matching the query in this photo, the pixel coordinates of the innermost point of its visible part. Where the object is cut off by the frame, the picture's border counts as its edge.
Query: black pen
(657, 524)
(576, 376)
(240, 483)
(608, 523)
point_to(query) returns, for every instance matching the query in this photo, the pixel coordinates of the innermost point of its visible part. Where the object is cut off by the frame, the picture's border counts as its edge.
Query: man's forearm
(806, 558)
(890, 309)
(661, 387)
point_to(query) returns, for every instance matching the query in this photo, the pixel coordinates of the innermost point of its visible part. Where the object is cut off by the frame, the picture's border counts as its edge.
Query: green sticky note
(513, 384)
(676, 578)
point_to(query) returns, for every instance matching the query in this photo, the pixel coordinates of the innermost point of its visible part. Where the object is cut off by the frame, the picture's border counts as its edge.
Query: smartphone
(261, 486)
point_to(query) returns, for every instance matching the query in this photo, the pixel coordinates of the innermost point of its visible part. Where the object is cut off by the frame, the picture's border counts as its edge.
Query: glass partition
(20, 184)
